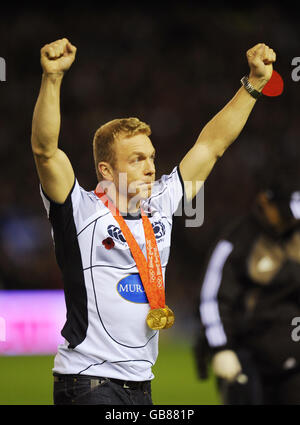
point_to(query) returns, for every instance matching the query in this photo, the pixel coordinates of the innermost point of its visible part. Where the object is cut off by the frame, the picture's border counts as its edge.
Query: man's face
(135, 160)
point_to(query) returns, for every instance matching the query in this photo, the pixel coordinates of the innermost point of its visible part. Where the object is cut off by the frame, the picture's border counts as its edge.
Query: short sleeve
(166, 194)
(64, 220)
(73, 198)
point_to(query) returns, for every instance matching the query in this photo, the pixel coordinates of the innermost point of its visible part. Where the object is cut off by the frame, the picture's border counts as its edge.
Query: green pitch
(28, 380)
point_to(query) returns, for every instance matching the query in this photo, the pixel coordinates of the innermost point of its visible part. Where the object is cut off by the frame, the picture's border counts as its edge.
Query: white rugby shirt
(106, 333)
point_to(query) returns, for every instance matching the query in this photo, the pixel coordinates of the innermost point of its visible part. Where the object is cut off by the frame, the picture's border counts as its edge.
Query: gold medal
(160, 318)
(170, 317)
(157, 318)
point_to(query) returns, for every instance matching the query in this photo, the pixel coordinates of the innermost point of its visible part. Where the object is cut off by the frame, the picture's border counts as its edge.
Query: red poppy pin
(108, 243)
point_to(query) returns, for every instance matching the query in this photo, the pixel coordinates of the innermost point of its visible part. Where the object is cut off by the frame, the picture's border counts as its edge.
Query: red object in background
(274, 86)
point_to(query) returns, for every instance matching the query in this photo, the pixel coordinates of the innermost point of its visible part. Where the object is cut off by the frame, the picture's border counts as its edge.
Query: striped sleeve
(215, 311)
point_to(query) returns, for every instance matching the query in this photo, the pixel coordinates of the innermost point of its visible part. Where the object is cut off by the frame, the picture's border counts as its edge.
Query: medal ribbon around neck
(150, 271)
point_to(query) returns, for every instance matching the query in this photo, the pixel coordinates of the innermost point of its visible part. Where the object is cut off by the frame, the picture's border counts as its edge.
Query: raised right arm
(53, 166)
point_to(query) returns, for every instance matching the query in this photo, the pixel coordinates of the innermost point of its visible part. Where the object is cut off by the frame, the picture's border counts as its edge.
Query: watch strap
(250, 89)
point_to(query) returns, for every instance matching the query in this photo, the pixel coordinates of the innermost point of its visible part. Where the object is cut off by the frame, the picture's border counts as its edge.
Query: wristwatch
(250, 89)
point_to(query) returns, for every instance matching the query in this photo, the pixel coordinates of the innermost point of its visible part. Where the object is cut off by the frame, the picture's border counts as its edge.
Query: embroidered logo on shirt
(159, 229)
(116, 233)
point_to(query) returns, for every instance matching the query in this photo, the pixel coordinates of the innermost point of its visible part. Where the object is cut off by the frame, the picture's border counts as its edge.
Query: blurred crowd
(173, 65)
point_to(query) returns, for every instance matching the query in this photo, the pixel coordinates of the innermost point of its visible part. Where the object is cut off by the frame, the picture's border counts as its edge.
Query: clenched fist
(260, 59)
(57, 57)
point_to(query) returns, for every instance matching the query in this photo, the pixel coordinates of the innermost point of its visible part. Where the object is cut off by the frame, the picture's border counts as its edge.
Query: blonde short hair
(107, 134)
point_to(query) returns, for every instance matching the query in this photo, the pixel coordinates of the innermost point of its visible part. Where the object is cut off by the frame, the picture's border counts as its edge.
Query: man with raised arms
(112, 243)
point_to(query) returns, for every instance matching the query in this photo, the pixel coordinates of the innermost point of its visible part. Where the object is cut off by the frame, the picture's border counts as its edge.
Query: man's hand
(226, 365)
(57, 57)
(260, 59)
(53, 166)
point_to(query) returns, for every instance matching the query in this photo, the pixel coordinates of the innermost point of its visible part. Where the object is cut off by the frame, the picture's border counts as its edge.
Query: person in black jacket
(249, 297)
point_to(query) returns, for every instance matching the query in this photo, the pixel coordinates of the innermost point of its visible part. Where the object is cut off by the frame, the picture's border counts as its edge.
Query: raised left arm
(224, 128)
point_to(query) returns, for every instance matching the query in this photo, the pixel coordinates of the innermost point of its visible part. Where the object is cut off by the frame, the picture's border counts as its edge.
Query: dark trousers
(282, 389)
(83, 389)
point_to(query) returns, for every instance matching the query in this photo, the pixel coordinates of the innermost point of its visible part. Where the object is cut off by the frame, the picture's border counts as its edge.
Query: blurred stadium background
(174, 65)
